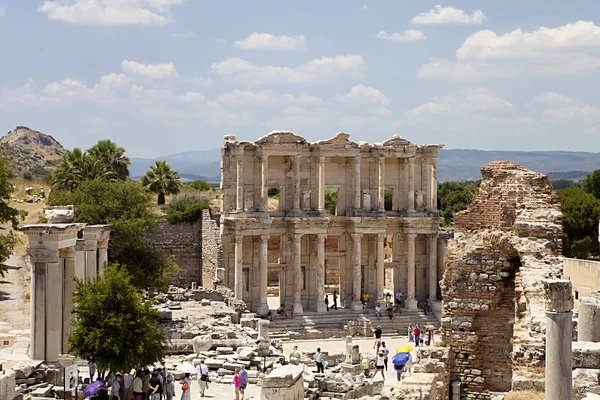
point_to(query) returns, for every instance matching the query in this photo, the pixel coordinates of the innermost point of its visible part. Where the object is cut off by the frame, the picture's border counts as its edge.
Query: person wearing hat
(379, 366)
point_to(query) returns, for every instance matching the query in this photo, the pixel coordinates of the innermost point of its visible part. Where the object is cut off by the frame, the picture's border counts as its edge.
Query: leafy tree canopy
(129, 209)
(186, 208)
(591, 183)
(454, 197)
(162, 180)
(581, 212)
(113, 324)
(199, 185)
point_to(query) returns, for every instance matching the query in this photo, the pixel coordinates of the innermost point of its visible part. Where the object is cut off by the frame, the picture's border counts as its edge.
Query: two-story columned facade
(384, 220)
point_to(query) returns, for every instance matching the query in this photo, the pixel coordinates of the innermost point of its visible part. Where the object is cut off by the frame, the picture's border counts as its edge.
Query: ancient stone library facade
(361, 241)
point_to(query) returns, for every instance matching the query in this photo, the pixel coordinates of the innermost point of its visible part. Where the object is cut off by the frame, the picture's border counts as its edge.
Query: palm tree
(162, 180)
(113, 156)
(78, 166)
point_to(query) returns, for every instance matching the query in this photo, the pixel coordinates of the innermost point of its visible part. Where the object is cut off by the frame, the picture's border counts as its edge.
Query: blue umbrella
(400, 358)
(93, 388)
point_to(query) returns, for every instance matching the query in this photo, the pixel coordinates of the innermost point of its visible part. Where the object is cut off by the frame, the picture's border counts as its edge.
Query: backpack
(185, 387)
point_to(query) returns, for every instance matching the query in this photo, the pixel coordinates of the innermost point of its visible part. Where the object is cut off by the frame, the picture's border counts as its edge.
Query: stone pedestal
(589, 320)
(263, 329)
(559, 305)
(412, 304)
(283, 383)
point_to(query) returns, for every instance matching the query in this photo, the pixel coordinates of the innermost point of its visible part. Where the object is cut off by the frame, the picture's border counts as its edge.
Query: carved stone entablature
(80, 245)
(338, 141)
(96, 232)
(281, 137)
(39, 255)
(50, 229)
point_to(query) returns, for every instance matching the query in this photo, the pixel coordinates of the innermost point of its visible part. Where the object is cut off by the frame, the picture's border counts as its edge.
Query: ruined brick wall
(212, 249)
(184, 241)
(506, 242)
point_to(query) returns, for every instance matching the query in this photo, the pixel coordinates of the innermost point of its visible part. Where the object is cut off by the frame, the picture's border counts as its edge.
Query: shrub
(186, 208)
(28, 176)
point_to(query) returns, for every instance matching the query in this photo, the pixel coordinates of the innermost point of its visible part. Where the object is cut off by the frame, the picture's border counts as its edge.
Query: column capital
(357, 159)
(321, 236)
(356, 236)
(380, 237)
(433, 236)
(410, 160)
(297, 157)
(42, 255)
(321, 159)
(381, 159)
(264, 238)
(103, 244)
(296, 237)
(67, 252)
(238, 238)
(411, 235)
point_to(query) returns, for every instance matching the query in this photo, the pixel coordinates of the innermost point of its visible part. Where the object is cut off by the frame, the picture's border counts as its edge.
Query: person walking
(186, 386)
(155, 387)
(244, 377)
(146, 384)
(202, 377)
(115, 388)
(127, 386)
(295, 356)
(92, 368)
(170, 386)
(417, 335)
(237, 383)
(377, 332)
(386, 352)
(327, 302)
(379, 366)
(319, 361)
(378, 311)
(136, 385)
(410, 332)
(365, 300)
(334, 300)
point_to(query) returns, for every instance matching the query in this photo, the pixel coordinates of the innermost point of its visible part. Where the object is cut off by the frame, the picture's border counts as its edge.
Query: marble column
(411, 303)
(410, 179)
(297, 268)
(80, 259)
(433, 185)
(589, 319)
(263, 257)
(380, 275)
(357, 183)
(321, 183)
(91, 259)
(68, 255)
(239, 204)
(102, 256)
(357, 272)
(54, 309)
(265, 183)
(238, 274)
(559, 306)
(321, 272)
(381, 184)
(37, 348)
(433, 280)
(297, 159)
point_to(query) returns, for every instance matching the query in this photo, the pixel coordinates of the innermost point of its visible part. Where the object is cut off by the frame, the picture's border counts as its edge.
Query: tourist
(410, 332)
(429, 331)
(388, 299)
(426, 307)
(335, 300)
(378, 332)
(319, 361)
(270, 315)
(155, 387)
(399, 298)
(146, 384)
(291, 313)
(127, 389)
(186, 384)
(244, 378)
(137, 385)
(379, 366)
(386, 352)
(417, 335)
(378, 311)
(170, 386)
(115, 387)
(365, 300)
(327, 302)
(237, 383)
(202, 377)
(295, 356)
(390, 312)
(92, 368)
(281, 311)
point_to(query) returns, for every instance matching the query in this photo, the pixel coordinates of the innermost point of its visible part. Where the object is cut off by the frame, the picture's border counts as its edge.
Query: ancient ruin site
(319, 252)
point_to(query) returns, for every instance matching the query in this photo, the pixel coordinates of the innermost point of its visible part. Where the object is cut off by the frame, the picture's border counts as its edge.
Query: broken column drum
(317, 213)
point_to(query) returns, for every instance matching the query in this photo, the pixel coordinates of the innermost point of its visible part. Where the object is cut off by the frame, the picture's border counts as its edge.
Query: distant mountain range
(453, 165)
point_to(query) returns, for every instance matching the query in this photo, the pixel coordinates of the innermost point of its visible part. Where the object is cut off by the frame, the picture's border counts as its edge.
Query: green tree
(199, 185)
(563, 183)
(186, 208)
(129, 209)
(581, 212)
(113, 324)
(162, 180)
(331, 198)
(454, 197)
(79, 166)
(111, 156)
(591, 183)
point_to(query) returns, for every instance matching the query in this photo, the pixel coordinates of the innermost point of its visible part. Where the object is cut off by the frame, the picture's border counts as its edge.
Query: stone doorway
(275, 295)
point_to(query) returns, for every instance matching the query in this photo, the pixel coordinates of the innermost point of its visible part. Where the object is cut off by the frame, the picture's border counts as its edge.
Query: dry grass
(525, 395)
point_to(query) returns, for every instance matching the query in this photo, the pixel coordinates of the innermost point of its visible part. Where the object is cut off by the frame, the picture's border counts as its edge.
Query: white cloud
(407, 36)
(448, 15)
(466, 101)
(559, 107)
(157, 71)
(266, 41)
(109, 12)
(24, 95)
(319, 70)
(221, 41)
(364, 7)
(361, 94)
(2, 13)
(555, 99)
(187, 35)
(248, 97)
(140, 94)
(191, 97)
(103, 92)
(200, 82)
(462, 72)
(304, 99)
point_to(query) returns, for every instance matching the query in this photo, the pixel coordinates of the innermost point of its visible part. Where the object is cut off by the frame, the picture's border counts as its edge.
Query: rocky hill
(31, 151)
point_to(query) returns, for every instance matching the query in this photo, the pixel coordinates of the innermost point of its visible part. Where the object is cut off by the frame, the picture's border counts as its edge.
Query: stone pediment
(396, 141)
(281, 137)
(339, 140)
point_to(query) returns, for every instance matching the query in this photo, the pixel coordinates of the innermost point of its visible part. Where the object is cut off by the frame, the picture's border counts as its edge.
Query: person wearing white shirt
(319, 361)
(202, 377)
(127, 386)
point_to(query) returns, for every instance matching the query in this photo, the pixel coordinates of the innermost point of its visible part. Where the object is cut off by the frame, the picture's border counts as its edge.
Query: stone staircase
(313, 325)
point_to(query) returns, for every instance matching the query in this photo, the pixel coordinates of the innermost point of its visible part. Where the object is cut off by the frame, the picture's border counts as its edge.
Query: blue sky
(166, 76)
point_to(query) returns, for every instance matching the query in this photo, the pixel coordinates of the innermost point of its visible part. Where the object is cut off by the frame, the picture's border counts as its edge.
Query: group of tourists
(420, 335)
(139, 385)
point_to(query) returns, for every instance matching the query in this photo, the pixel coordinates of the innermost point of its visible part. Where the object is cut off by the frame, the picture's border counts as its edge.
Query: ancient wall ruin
(506, 242)
(212, 250)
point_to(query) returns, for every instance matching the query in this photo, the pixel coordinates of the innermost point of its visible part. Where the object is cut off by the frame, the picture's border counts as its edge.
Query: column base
(412, 304)
(298, 310)
(436, 305)
(263, 309)
(321, 307)
(357, 306)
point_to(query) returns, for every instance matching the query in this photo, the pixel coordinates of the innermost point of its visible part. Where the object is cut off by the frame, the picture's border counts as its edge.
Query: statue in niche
(306, 200)
(420, 199)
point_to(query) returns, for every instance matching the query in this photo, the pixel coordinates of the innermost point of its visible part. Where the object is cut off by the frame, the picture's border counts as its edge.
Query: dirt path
(14, 294)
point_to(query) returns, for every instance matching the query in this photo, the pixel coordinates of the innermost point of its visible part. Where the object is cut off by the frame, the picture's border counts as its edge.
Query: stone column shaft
(91, 260)
(264, 273)
(381, 184)
(265, 183)
(297, 159)
(412, 302)
(102, 257)
(69, 288)
(54, 307)
(380, 275)
(321, 272)
(433, 186)
(238, 274)
(589, 320)
(357, 272)
(297, 267)
(80, 259)
(38, 311)
(433, 280)
(321, 183)
(357, 202)
(239, 204)
(411, 184)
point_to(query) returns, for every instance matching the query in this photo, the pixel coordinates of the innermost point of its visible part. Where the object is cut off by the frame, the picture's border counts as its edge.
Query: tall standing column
(433, 185)
(357, 272)
(357, 182)
(412, 301)
(321, 272)
(239, 204)
(433, 280)
(54, 309)
(381, 184)
(589, 319)
(38, 309)
(297, 266)
(238, 274)
(410, 179)
(380, 276)
(297, 159)
(68, 255)
(80, 259)
(321, 183)
(102, 256)
(265, 183)
(263, 309)
(91, 259)
(427, 194)
(559, 306)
